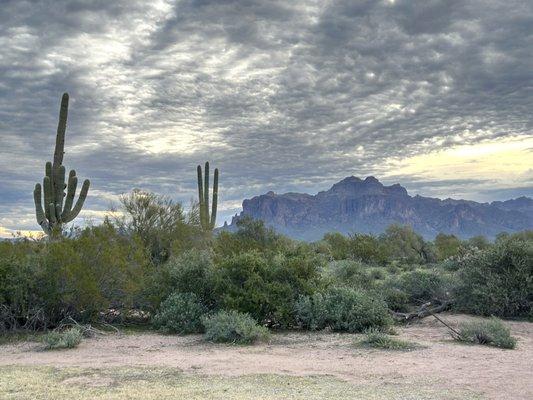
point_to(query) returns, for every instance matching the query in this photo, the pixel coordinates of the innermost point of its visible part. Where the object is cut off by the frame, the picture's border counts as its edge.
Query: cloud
(279, 95)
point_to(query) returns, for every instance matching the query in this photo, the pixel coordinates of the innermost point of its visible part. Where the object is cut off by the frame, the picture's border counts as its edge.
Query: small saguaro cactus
(55, 213)
(207, 222)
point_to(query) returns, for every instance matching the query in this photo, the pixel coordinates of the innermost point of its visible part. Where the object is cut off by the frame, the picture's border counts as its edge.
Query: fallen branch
(424, 311)
(86, 330)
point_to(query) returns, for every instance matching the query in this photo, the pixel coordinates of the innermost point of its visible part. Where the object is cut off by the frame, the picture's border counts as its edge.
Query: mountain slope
(355, 205)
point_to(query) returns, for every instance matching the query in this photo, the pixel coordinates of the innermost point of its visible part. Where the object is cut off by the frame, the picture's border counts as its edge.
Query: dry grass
(45, 383)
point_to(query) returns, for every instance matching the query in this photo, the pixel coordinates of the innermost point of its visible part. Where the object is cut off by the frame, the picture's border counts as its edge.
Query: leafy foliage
(406, 245)
(377, 339)
(159, 222)
(193, 271)
(251, 235)
(68, 339)
(490, 332)
(342, 309)
(266, 286)
(42, 283)
(180, 313)
(233, 327)
(497, 281)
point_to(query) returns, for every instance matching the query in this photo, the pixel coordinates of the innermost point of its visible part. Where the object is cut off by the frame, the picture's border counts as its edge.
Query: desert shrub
(478, 242)
(251, 235)
(497, 281)
(361, 247)
(395, 298)
(447, 246)
(191, 272)
(233, 327)
(42, 283)
(342, 309)
(377, 339)
(159, 222)
(422, 285)
(180, 313)
(266, 287)
(312, 311)
(354, 311)
(490, 332)
(19, 305)
(349, 273)
(68, 339)
(404, 244)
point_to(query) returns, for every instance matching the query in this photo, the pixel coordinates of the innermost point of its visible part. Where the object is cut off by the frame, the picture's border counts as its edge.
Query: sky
(279, 95)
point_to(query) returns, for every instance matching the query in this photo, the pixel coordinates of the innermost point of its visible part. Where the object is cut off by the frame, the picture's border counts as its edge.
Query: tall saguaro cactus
(56, 213)
(207, 222)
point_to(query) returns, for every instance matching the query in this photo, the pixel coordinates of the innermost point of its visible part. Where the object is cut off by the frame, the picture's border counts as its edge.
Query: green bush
(251, 235)
(404, 244)
(497, 281)
(161, 224)
(342, 309)
(312, 311)
(423, 285)
(378, 339)
(180, 313)
(233, 327)
(395, 298)
(266, 287)
(43, 282)
(359, 247)
(350, 273)
(191, 272)
(490, 332)
(63, 340)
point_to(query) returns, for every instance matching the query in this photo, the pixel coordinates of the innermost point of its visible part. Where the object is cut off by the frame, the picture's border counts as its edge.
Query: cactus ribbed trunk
(53, 213)
(207, 222)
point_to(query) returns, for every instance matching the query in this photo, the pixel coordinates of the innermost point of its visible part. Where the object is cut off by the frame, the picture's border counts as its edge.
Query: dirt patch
(440, 363)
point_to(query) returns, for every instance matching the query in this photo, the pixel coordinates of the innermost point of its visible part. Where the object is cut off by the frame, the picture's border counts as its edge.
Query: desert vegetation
(173, 277)
(156, 266)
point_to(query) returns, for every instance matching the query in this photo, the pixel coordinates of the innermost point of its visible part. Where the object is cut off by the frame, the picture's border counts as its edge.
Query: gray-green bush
(342, 309)
(68, 339)
(233, 327)
(377, 339)
(497, 281)
(180, 313)
(492, 332)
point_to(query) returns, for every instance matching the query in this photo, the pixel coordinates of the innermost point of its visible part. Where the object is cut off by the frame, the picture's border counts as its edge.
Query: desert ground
(295, 365)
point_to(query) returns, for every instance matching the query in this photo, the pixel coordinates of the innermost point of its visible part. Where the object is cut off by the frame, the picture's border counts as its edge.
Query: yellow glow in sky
(505, 160)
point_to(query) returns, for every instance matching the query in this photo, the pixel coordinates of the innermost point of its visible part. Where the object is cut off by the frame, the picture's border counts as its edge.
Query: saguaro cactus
(207, 222)
(55, 213)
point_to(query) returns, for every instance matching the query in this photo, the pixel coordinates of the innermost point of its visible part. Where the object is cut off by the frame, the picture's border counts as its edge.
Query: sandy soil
(441, 363)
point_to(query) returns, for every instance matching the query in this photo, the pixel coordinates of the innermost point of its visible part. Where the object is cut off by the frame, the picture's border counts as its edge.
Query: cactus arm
(47, 189)
(52, 209)
(59, 186)
(39, 212)
(79, 204)
(71, 193)
(206, 195)
(58, 214)
(200, 194)
(215, 200)
(61, 127)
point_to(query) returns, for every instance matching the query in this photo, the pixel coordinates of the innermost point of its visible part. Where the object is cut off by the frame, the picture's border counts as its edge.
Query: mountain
(368, 206)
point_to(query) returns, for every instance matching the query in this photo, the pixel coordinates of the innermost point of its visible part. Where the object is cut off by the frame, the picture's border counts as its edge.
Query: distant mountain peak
(367, 206)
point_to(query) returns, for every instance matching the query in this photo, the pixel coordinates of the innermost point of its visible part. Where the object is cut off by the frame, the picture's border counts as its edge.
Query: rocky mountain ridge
(367, 206)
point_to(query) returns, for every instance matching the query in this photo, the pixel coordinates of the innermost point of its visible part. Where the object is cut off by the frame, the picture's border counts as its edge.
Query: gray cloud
(279, 95)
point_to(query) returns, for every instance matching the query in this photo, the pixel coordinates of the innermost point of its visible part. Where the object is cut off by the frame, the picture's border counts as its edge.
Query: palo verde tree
(207, 222)
(52, 212)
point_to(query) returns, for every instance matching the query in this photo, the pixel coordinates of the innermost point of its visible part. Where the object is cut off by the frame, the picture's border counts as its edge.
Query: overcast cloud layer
(283, 96)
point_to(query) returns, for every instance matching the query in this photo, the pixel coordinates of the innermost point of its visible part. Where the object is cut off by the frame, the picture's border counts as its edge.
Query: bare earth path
(441, 365)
